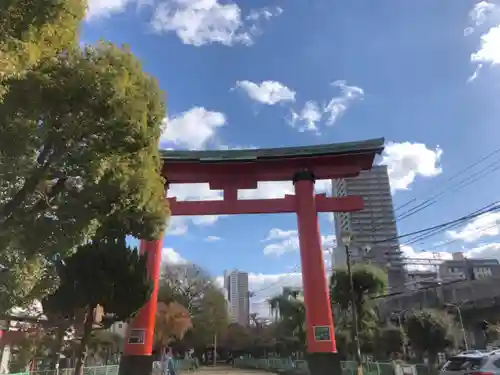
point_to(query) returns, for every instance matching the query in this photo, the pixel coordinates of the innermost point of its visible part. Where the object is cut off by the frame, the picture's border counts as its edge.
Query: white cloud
(284, 241)
(279, 234)
(192, 129)
(179, 225)
(170, 256)
(489, 51)
(490, 250)
(485, 225)
(264, 13)
(104, 8)
(417, 259)
(406, 161)
(309, 116)
(267, 92)
(201, 22)
(212, 239)
(479, 14)
(338, 105)
(266, 286)
(278, 189)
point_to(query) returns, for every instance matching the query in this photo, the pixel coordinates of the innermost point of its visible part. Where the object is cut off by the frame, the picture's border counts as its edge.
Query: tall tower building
(236, 284)
(373, 230)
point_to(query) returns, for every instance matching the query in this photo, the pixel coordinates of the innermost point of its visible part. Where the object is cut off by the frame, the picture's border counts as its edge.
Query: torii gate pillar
(322, 349)
(232, 170)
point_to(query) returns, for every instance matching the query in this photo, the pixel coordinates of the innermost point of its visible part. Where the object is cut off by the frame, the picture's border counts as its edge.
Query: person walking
(168, 364)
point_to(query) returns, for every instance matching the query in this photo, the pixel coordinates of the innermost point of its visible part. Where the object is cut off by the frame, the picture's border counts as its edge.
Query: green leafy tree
(389, 340)
(429, 333)
(290, 310)
(102, 273)
(236, 338)
(78, 155)
(31, 30)
(368, 281)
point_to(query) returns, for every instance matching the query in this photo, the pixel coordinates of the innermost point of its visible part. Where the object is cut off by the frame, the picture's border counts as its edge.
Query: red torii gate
(232, 170)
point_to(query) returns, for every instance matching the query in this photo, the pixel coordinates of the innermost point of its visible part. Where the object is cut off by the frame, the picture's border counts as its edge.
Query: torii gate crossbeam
(230, 171)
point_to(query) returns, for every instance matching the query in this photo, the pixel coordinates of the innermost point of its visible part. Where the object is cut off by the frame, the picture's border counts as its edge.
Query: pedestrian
(168, 364)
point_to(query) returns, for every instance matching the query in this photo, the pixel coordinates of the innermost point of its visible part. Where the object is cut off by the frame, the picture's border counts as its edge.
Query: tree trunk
(87, 332)
(56, 349)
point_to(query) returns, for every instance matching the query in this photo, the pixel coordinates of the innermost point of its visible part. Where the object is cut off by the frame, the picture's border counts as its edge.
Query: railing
(181, 365)
(94, 370)
(281, 365)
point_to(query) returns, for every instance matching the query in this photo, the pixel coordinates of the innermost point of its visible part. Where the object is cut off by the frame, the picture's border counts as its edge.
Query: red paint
(244, 174)
(233, 175)
(316, 297)
(145, 319)
(231, 206)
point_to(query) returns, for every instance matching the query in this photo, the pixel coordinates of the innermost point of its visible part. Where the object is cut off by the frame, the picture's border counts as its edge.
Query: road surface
(227, 370)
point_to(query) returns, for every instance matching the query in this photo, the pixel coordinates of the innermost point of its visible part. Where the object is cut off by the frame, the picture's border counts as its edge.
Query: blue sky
(268, 73)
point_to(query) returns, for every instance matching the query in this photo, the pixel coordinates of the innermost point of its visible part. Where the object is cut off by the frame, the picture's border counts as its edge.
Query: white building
(119, 328)
(373, 230)
(236, 284)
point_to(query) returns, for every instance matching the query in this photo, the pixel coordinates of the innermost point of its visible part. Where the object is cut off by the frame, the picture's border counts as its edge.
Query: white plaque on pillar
(137, 336)
(322, 333)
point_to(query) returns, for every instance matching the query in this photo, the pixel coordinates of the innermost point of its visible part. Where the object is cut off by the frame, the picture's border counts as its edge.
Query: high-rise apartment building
(373, 230)
(236, 284)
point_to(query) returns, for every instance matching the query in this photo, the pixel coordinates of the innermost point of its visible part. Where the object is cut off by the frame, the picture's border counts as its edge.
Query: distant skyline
(269, 73)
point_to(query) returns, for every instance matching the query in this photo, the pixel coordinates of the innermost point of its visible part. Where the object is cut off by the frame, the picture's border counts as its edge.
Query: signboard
(322, 333)
(137, 336)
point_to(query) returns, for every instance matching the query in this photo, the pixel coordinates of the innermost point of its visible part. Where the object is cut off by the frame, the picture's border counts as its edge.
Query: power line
(492, 207)
(461, 184)
(481, 211)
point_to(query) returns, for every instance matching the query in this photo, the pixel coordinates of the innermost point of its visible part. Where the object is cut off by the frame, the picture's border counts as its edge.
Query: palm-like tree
(290, 313)
(368, 282)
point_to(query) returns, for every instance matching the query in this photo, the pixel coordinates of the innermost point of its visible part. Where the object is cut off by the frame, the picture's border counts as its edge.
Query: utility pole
(215, 349)
(346, 240)
(460, 320)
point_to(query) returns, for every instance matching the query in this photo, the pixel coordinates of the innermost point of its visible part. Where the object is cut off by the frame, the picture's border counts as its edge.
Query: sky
(425, 75)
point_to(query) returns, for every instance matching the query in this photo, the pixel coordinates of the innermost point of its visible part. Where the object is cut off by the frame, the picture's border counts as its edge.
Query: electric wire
(490, 208)
(461, 184)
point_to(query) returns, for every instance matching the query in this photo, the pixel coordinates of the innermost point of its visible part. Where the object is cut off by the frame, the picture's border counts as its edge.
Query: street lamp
(459, 313)
(346, 240)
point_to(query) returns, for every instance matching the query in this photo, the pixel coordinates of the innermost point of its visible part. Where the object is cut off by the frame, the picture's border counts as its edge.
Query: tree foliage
(429, 332)
(236, 337)
(368, 281)
(31, 30)
(291, 327)
(78, 158)
(172, 322)
(100, 273)
(193, 288)
(390, 339)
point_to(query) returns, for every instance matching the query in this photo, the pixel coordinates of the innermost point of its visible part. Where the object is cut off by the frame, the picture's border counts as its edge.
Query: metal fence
(94, 370)
(300, 367)
(181, 365)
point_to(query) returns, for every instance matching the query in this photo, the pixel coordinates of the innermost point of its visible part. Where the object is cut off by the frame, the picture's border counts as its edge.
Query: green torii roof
(366, 146)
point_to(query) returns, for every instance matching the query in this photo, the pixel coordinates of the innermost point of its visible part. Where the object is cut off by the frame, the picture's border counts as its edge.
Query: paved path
(227, 370)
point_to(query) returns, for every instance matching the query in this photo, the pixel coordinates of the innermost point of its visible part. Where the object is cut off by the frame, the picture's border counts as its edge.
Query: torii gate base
(233, 170)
